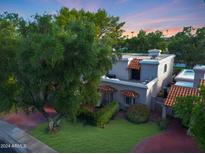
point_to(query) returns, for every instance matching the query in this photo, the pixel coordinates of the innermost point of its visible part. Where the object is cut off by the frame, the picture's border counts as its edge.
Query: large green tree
(145, 41)
(9, 46)
(188, 46)
(183, 108)
(58, 60)
(191, 109)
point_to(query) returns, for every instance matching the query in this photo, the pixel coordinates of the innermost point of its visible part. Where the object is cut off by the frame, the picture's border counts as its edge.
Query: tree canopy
(188, 45)
(191, 109)
(145, 41)
(55, 59)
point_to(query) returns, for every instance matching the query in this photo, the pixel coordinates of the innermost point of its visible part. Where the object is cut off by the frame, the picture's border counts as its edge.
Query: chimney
(199, 71)
(154, 53)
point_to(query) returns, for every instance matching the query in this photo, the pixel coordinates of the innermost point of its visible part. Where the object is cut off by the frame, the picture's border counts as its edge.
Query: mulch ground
(173, 140)
(27, 121)
(23, 120)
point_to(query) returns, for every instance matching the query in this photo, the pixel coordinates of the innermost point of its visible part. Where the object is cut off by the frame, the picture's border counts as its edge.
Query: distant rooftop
(152, 55)
(199, 67)
(145, 58)
(184, 84)
(186, 75)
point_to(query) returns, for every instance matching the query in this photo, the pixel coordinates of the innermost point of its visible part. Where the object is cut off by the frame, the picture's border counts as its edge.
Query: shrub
(197, 124)
(104, 115)
(183, 108)
(86, 113)
(138, 113)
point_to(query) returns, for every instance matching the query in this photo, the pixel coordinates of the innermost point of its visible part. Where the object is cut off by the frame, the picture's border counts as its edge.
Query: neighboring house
(136, 78)
(188, 83)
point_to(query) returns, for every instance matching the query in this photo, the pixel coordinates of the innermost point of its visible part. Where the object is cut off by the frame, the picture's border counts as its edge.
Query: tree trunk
(54, 123)
(51, 121)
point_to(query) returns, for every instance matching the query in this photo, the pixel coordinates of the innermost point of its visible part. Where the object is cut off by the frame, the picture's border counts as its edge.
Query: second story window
(135, 74)
(165, 68)
(134, 67)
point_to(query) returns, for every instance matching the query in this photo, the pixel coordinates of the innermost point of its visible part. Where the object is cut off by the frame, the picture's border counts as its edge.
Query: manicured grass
(119, 136)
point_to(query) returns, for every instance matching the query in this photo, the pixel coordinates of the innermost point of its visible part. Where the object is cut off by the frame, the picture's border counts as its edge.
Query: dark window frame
(165, 68)
(135, 74)
(130, 100)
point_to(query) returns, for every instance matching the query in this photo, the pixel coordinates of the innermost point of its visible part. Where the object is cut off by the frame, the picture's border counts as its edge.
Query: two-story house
(136, 78)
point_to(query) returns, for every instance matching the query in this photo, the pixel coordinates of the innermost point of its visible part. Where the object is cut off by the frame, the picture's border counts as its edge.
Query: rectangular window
(107, 97)
(133, 101)
(165, 68)
(111, 97)
(135, 74)
(128, 100)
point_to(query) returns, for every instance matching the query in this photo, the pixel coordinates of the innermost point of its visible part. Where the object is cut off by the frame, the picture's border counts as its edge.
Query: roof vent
(154, 53)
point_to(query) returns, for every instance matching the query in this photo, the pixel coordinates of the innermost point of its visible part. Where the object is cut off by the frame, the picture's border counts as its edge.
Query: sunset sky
(149, 15)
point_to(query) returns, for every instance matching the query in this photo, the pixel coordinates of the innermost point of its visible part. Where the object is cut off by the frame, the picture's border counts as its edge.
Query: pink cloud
(162, 17)
(170, 31)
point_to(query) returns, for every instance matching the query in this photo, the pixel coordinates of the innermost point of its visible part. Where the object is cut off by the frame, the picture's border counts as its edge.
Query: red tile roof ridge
(134, 64)
(177, 91)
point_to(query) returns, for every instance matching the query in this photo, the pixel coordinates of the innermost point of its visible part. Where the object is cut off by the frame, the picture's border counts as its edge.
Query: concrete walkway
(23, 141)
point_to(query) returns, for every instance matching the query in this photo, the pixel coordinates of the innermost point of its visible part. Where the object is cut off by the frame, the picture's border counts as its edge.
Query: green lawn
(119, 136)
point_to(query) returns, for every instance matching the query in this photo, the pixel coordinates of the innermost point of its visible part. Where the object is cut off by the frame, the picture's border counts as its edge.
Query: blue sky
(149, 15)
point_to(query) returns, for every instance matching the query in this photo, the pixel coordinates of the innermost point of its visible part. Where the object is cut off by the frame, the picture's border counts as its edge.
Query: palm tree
(167, 31)
(132, 33)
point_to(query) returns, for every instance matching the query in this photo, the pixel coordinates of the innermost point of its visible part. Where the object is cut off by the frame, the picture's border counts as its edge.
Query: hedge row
(99, 117)
(87, 113)
(104, 115)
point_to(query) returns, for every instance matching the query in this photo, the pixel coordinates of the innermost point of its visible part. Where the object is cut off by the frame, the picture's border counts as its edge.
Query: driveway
(174, 140)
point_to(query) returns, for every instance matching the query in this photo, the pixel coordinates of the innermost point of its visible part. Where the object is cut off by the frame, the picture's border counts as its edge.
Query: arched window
(130, 96)
(107, 93)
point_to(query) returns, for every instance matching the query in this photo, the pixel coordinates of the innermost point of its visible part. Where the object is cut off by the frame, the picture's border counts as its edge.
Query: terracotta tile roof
(176, 91)
(202, 82)
(134, 64)
(129, 93)
(107, 88)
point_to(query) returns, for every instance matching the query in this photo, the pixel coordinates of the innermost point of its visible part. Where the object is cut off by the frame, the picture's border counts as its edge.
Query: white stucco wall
(148, 72)
(151, 91)
(153, 71)
(165, 77)
(120, 70)
(121, 99)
